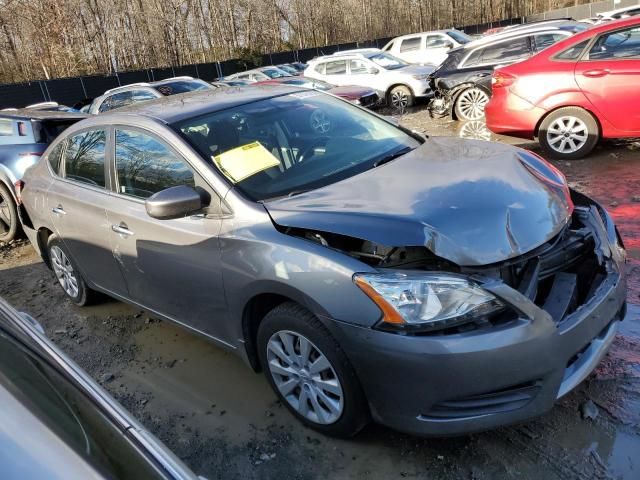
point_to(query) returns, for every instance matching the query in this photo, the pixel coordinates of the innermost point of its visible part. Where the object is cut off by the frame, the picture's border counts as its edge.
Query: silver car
(370, 272)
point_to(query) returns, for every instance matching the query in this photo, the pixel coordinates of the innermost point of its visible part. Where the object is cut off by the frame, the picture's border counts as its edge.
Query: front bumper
(467, 382)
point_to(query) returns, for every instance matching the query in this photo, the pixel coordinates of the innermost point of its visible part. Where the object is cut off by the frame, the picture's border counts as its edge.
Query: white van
(426, 48)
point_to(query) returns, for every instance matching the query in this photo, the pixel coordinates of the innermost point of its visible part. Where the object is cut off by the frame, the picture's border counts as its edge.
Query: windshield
(387, 61)
(459, 37)
(289, 144)
(182, 86)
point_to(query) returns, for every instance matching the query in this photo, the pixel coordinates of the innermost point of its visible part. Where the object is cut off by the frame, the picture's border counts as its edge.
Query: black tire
(291, 317)
(10, 227)
(400, 97)
(84, 295)
(550, 123)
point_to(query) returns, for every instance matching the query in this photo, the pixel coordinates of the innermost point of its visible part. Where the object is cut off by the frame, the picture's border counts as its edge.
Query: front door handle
(59, 210)
(121, 230)
(598, 72)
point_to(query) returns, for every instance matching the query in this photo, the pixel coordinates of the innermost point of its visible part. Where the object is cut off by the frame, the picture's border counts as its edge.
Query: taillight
(19, 187)
(502, 79)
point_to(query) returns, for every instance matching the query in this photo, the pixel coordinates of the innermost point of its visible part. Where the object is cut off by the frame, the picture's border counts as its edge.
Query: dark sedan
(438, 286)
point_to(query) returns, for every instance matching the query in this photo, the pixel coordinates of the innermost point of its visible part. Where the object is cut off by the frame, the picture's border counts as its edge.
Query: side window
(504, 52)
(145, 165)
(437, 41)
(321, 68)
(84, 158)
(545, 40)
(141, 96)
(572, 53)
(474, 59)
(410, 44)
(358, 67)
(339, 67)
(121, 99)
(6, 127)
(54, 157)
(105, 106)
(623, 44)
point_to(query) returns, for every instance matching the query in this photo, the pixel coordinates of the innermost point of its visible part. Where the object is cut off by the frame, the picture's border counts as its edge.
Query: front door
(171, 267)
(609, 76)
(76, 200)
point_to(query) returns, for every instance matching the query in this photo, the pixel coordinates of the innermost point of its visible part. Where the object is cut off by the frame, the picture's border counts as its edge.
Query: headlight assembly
(425, 302)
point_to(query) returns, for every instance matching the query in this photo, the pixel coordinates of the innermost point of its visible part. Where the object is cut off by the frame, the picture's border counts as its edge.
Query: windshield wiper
(392, 156)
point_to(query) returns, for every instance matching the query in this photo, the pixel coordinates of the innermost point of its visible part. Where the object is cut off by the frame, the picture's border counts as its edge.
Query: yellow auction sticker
(242, 162)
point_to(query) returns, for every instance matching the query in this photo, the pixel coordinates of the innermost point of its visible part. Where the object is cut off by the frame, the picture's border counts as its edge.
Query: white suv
(393, 79)
(427, 47)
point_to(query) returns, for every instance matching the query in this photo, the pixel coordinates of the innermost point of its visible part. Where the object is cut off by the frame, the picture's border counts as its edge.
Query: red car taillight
(502, 79)
(19, 185)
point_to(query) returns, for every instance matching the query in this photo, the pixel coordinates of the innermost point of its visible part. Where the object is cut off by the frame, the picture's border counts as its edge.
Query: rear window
(6, 127)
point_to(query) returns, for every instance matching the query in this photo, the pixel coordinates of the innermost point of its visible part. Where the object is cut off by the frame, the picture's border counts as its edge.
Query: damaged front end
(559, 277)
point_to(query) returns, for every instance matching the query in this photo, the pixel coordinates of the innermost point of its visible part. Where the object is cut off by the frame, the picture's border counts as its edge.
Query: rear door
(75, 202)
(609, 76)
(171, 267)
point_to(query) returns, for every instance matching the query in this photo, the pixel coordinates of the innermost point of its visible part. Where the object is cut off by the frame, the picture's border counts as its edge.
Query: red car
(365, 97)
(573, 93)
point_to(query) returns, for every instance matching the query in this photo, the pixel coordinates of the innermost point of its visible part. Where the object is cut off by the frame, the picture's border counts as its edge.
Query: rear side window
(572, 53)
(410, 44)
(338, 67)
(6, 127)
(545, 40)
(437, 41)
(504, 52)
(145, 165)
(321, 68)
(623, 44)
(358, 67)
(117, 100)
(54, 157)
(84, 158)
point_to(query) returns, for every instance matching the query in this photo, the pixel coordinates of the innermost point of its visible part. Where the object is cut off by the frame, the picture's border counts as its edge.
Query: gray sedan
(436, 286)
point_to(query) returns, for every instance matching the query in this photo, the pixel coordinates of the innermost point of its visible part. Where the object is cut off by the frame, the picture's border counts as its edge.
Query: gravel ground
(224, 422)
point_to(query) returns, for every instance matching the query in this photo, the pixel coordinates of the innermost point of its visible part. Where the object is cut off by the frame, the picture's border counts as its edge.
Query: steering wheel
(319, 121)
(309, 151)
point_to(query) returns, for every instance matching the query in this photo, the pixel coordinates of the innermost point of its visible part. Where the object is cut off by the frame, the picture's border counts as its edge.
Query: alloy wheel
(471, 104)
(305, 377)
(399, 99)
(567, 134)
(64, 271)
(6, 215)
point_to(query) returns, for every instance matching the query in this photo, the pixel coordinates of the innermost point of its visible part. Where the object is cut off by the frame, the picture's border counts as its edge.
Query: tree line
(60, 38)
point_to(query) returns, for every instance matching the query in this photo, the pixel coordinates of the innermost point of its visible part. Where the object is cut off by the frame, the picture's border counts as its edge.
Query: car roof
(30, 114)
(156, 83)
(175, 108)
(409, 35)
(505, 35)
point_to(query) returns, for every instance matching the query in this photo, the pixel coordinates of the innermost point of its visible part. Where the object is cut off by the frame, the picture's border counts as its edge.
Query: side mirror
(174, 202)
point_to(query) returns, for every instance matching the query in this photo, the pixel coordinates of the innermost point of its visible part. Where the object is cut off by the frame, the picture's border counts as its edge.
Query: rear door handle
(59, 210)
(599, 72)
(121, 230)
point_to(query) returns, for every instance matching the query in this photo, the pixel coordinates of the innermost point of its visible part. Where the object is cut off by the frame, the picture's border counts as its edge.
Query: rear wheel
(400, 97)
(67, 274)
(9, 223)
(470, 104)
(309, 372)
(568, 133)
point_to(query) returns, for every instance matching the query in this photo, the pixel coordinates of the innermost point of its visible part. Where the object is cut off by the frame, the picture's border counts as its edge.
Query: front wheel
(310, 373)
(470, 104)
(400, 97)
(568, 133)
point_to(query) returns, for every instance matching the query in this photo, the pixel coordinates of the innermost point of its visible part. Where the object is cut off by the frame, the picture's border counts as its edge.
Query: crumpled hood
(471, 202)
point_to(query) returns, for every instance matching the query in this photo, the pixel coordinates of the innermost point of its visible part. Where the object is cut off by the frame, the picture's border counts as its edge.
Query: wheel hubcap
(64, 272)
(399, 99)
(471, 103)
(5, 215)
(305, 377)
(567, 134)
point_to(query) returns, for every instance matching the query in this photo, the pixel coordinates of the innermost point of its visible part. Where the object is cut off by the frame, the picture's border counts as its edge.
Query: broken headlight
(424, 302)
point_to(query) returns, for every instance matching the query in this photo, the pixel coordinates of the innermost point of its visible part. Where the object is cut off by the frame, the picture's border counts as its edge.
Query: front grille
(497, 401)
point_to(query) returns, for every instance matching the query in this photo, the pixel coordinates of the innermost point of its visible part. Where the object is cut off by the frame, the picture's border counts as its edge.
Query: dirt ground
(224, 421)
